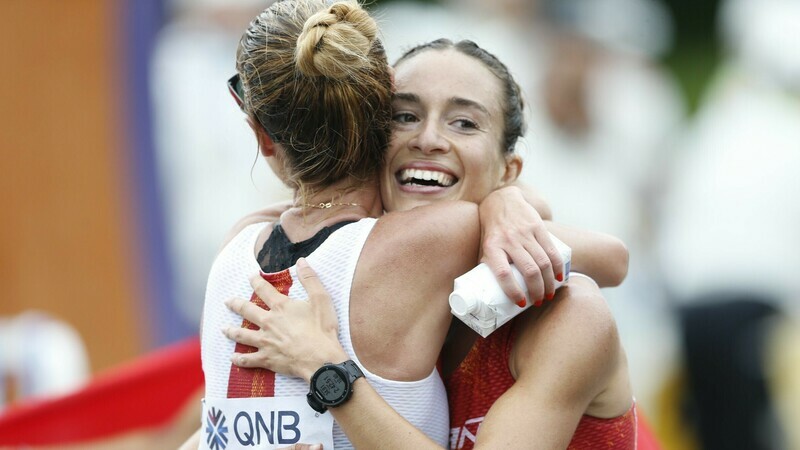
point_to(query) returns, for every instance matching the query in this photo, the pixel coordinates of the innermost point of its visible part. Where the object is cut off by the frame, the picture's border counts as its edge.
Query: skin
(453, 126)
(407, 243)
(447, 135)
(420, 246)
(567, 360)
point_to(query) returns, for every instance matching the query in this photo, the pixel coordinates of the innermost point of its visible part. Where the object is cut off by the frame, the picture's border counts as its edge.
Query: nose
(429, 139)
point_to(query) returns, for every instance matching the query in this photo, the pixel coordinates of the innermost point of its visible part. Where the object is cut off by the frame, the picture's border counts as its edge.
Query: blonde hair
(315, 77)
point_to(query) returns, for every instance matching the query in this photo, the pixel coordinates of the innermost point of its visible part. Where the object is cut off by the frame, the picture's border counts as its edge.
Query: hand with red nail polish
(513, 233)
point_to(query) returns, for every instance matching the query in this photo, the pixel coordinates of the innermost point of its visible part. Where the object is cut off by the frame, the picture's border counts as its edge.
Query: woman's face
(447, 129)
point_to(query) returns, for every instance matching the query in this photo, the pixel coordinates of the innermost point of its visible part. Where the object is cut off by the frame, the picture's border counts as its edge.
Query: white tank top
(423, 403)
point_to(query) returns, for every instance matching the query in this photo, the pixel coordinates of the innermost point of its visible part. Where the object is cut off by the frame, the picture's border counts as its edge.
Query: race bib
(263, 423)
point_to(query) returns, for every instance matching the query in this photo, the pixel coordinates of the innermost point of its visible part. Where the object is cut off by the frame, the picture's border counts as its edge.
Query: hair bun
(336, 43)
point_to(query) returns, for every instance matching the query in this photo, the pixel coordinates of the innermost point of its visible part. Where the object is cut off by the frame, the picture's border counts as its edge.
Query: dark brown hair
(513, 105)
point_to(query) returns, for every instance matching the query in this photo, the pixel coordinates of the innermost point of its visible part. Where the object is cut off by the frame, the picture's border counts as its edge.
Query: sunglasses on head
(236, 90)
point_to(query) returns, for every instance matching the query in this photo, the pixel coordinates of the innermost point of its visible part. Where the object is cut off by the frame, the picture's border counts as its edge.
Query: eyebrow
(459, 101)
(406, 97)
(469, 104)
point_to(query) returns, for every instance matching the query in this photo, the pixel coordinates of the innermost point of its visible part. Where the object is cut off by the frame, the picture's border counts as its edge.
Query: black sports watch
(332, 385)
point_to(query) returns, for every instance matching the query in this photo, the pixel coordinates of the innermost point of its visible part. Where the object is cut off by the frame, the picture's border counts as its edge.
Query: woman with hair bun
(553, 377)
(313, 80)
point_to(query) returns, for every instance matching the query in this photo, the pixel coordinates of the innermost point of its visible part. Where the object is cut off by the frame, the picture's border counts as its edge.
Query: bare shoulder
(582, 309)
(573, 339)
(563, 360)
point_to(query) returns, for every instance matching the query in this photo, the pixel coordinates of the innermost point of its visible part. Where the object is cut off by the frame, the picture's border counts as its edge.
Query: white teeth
(441, 178)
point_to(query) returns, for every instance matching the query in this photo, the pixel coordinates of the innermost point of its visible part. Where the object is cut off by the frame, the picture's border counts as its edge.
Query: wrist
(504, 194)
(497, 203)
(332, 354)
(332, 385)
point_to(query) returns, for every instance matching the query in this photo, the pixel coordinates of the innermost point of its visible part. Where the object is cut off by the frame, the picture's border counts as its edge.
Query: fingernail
(560, 277)
(227, 303)
(539, 303)
(302, 262)
(522, 303)
(551, 295)
(224, 331)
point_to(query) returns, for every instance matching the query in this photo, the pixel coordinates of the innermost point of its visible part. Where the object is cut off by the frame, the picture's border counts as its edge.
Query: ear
(513, 168)
(265, 143)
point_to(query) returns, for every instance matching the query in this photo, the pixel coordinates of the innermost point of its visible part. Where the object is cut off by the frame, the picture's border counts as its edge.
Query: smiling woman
(436, 115)
(319, 102)
(555, 376)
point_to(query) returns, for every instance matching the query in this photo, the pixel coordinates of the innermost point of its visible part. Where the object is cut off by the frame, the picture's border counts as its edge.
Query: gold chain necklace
(327, 205)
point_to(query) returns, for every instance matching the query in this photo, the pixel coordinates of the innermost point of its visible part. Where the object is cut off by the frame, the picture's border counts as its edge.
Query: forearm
(371, 423)
(598, 255)
(367, 420)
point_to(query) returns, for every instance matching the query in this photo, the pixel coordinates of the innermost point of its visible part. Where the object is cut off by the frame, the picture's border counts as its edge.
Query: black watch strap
(353, 373)
(352, 370)
(315, 404)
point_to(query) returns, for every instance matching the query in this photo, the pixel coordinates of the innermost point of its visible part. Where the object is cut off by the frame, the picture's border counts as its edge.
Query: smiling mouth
(410, 177)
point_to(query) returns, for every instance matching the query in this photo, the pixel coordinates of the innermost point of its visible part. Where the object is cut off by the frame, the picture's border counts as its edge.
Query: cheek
(484, 174)
(388, 194)
(395, 144)
(388, 158)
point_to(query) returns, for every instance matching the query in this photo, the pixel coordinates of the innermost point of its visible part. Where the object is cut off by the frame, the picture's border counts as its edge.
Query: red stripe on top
(252, 382)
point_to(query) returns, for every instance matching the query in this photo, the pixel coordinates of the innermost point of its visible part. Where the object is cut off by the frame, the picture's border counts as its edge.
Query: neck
(338, 203)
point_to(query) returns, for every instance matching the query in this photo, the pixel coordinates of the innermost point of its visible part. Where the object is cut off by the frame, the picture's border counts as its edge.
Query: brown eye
(466, 124)
(404, 118)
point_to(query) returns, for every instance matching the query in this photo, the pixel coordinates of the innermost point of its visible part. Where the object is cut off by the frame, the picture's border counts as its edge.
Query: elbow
(619, 258)
(614, 263)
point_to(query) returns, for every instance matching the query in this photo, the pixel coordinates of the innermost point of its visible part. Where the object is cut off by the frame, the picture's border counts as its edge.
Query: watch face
(331, 386)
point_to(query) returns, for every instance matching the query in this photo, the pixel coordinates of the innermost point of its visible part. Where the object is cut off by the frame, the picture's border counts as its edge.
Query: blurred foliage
(693, 65)
(696, 48)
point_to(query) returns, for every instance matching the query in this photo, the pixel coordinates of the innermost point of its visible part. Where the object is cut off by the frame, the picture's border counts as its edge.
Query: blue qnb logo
(216, 431)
